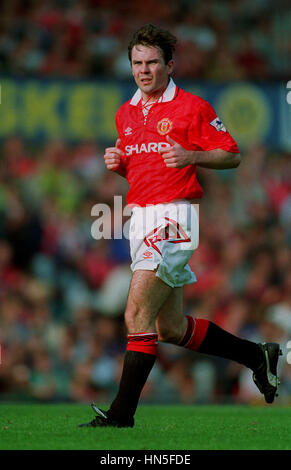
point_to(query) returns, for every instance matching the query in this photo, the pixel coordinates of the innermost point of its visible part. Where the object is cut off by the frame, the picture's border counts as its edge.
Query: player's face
(149, 69)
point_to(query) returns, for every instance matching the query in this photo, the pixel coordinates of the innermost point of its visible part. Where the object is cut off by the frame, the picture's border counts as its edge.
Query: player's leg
(171, 323)
(206, 337)
(147, 293)
(176, 328)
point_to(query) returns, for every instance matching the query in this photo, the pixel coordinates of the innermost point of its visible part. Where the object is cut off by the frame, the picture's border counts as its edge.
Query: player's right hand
(113, 156)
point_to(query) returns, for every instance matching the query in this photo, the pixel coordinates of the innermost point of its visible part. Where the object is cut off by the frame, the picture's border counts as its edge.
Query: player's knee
(167, 334)
(137, 320)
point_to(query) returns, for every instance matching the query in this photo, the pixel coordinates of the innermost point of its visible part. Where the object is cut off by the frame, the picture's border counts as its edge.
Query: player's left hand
(176, 156)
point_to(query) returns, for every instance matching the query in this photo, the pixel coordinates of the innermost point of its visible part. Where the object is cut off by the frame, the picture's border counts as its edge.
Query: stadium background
(64, 72)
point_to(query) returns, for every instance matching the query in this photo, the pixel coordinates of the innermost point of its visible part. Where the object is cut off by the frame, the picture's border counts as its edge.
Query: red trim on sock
(189, 331)
(198, 335)
(143, 342)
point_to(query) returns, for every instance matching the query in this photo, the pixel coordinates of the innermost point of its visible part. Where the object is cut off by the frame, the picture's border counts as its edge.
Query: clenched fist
(176, 156)
(113, 156)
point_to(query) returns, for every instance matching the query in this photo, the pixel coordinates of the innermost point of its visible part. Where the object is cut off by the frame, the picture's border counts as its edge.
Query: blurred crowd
(217, 39)
(63, 293)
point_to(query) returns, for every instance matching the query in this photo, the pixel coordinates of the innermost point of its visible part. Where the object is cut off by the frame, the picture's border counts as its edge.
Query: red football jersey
(188, 120)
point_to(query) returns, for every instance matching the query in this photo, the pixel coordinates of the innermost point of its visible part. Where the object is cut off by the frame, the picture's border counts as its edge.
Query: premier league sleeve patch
(218, 124)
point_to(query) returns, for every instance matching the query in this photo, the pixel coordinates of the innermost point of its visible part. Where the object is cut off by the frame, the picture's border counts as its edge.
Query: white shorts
(164, 236)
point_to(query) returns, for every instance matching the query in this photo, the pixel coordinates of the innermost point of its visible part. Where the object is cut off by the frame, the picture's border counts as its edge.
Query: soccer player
(164, 134)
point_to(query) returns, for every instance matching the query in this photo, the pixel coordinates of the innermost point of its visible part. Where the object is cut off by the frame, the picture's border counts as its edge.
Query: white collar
(168, 94)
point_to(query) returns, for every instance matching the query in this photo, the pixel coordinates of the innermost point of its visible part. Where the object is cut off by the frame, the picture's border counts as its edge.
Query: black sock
(219, 342)
(136, 369)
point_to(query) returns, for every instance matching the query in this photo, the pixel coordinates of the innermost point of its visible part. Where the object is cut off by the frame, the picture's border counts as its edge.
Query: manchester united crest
(164, 126)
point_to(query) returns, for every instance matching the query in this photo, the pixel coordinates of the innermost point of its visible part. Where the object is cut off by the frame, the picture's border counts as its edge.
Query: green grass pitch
(213, 427)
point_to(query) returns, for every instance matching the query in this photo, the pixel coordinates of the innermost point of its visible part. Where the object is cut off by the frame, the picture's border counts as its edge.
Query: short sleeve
(209, 132)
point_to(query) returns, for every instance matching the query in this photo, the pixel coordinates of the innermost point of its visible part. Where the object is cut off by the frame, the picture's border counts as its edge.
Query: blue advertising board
(85, 110)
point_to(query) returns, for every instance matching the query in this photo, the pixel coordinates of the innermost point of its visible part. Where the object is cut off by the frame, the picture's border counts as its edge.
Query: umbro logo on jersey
(218, 124)
(128, 131)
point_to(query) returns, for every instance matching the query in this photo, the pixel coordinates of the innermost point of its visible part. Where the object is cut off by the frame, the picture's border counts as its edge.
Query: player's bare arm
(218, 159)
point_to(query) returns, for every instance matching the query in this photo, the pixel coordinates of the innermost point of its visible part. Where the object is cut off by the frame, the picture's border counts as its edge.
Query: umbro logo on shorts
(172, 232)
(147, 255)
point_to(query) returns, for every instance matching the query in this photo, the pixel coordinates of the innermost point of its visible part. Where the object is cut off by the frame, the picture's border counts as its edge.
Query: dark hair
(151, 36)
